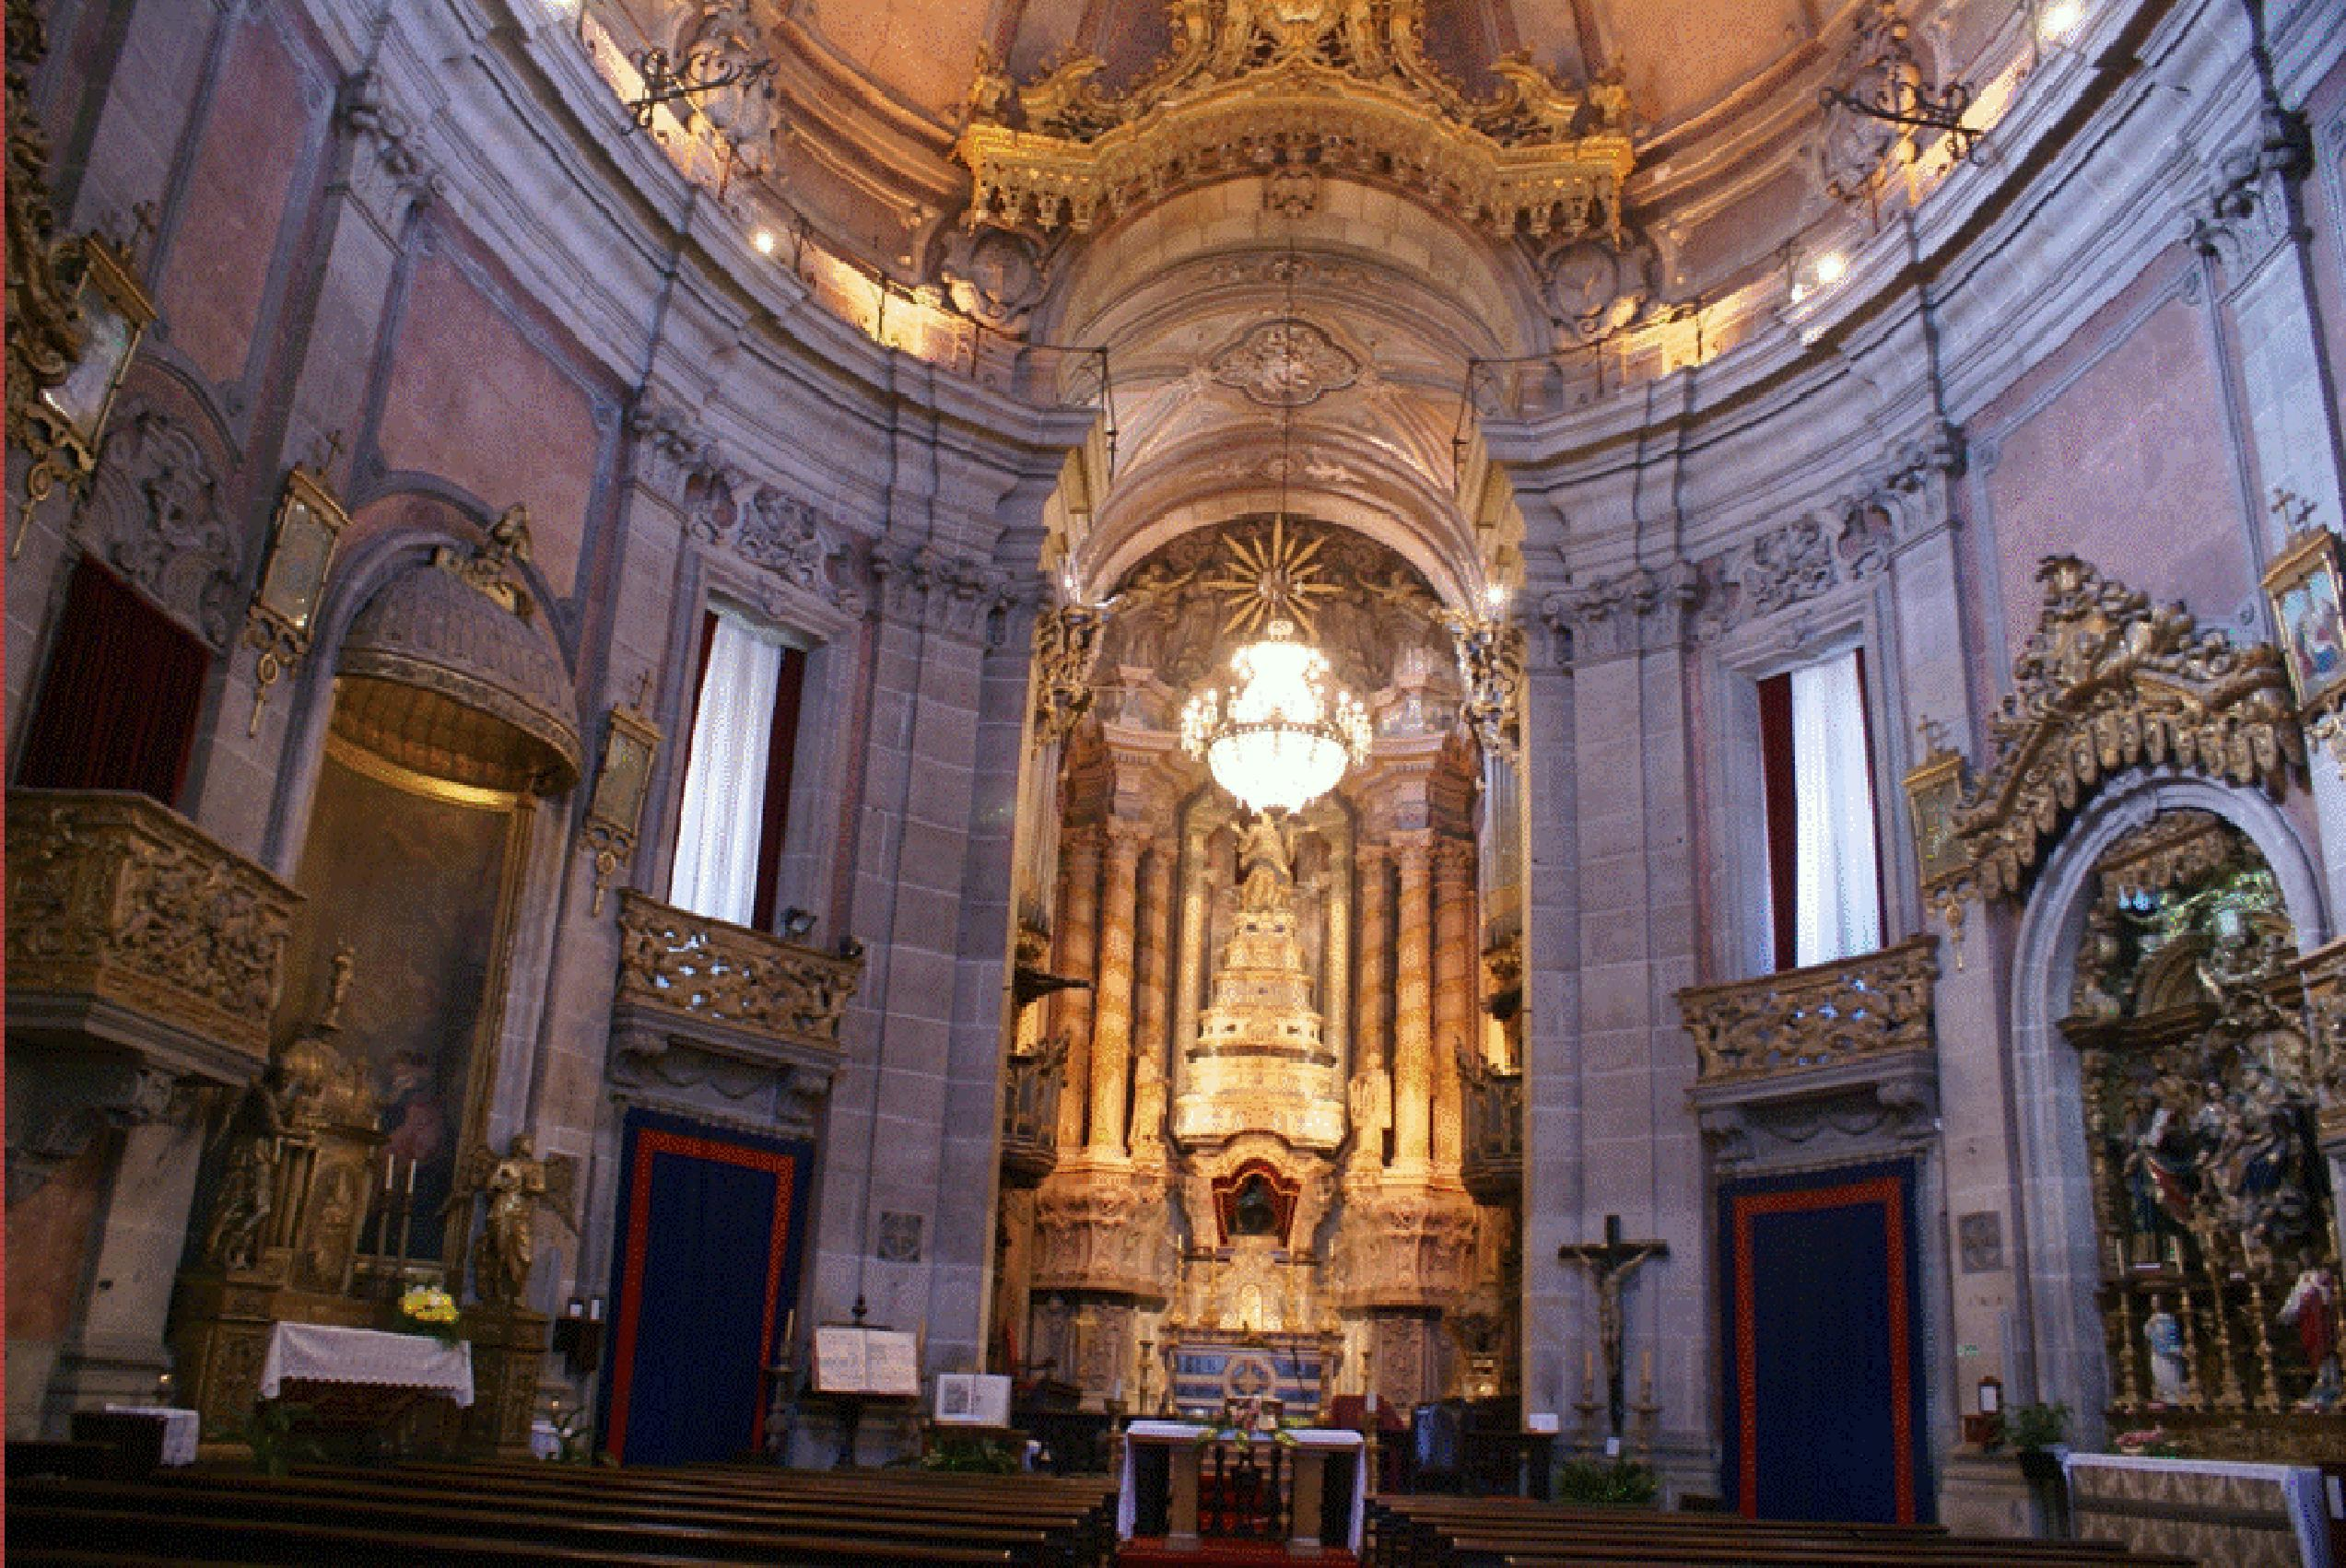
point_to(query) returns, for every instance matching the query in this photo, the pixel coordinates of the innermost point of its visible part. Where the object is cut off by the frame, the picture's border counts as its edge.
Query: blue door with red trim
(1823, 1347)
(706, 1269)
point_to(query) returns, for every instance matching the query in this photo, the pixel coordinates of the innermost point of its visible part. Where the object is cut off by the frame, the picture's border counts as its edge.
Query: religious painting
(411, 873)
(2303, 585)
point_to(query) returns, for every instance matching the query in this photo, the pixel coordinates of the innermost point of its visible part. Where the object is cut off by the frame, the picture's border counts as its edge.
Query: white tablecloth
(181, 1429)
(324, 1354)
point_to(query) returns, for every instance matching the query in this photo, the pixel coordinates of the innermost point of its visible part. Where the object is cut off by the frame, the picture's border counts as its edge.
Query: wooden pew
(1420, 1532)
(288, 1523)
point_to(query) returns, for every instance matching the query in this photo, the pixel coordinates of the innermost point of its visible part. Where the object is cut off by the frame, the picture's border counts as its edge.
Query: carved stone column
(1454, 1021)
(1372, 1014)
(1191, 973)
(1078, 946)
(1154, 1003)
(1112, 1006)
(1412, 1005)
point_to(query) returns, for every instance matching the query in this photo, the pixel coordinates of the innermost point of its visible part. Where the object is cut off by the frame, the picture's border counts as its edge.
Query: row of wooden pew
(1459, 1532)
(507, 1516)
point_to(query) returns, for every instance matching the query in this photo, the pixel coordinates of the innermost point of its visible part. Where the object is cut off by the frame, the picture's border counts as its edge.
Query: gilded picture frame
(2303, 587)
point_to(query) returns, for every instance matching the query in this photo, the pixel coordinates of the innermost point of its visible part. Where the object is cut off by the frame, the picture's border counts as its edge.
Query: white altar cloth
(2300, 1487)
(1169, 1433)
(181, 1429)
(322, 1353)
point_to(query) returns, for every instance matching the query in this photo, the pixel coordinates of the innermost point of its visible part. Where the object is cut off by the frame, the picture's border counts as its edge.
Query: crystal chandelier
(1280, 735)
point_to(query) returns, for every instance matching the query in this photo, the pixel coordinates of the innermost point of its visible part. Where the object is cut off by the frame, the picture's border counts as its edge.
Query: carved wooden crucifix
(1609, 1264)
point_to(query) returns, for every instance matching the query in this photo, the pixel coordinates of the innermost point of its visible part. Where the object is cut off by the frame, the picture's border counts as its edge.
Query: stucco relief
(1285, 363)
(156, 515)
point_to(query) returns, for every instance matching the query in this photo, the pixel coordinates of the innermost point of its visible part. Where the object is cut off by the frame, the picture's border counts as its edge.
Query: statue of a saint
(2170, 1373)
(247, 1193)
(2312, 1310)
(1266, 862)
(516, 1187)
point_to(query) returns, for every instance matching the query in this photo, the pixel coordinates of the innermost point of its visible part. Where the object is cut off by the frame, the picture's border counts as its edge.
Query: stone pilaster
(1454, 1010)
(1113, 1004)
(1412, 1005)
(1078, 943)
(1372, 1014)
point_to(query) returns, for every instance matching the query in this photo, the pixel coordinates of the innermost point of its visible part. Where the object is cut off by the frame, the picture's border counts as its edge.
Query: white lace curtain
(724, 809)
(1837, 897)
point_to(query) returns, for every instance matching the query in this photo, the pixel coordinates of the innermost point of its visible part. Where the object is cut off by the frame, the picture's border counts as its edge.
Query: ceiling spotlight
(764, 241)
(796, 923)
(1495, 596)
(2059, 20)
(1830, 268)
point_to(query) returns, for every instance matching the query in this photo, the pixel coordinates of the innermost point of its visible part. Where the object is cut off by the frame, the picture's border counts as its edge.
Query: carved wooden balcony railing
(704, 1004)
(1841, 1052)
(130, 925)
(1827, 1015)
(1031, 1115)
(1493, 1106)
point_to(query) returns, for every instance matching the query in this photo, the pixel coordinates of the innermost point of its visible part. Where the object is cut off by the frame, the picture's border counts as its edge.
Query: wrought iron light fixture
(669, 80)
(1890, 86)
(277, 625)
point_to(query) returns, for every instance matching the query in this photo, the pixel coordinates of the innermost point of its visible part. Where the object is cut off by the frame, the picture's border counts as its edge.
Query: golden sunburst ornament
(1270, 576)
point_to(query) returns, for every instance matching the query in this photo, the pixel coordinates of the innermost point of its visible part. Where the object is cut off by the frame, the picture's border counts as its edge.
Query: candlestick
(388, 1161)
(411, 1177)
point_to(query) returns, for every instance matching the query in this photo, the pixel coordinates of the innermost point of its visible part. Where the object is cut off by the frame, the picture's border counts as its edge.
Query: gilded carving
(1490, 663)
(2108, 682)
(1821, 1016)
(709, 971)
(1260, 86)
(1067, 642)
(116, 900)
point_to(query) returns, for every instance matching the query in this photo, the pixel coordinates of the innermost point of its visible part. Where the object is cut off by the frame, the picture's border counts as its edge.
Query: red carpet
(1225, 1554)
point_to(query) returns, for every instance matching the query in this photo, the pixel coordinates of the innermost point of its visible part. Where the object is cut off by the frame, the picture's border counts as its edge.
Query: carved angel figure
(516, 1187)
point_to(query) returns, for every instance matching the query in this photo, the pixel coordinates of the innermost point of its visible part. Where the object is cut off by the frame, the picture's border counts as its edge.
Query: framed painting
(2303, 585)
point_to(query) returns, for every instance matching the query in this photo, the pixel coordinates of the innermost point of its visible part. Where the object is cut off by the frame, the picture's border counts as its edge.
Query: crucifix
(1611, 1262)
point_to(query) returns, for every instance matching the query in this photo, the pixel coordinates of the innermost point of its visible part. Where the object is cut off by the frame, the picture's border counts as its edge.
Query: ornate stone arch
(2108, 683)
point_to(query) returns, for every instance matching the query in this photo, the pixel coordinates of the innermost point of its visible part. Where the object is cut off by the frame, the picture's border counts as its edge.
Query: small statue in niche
(1254, 1213)
(2170, 1372)
(516, 1187)
(247, 1194)
(2311, 1309)
(2099, 956)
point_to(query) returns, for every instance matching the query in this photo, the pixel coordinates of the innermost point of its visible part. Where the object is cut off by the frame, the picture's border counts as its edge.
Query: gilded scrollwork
(1491, 664)
(1817, 1017)
(709, 971)
(116, 900)
(1328, 85)
(2107, 682)
(1067, 642)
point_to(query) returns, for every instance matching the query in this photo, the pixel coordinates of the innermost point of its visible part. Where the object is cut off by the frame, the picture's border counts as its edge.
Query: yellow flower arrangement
(428, 1309)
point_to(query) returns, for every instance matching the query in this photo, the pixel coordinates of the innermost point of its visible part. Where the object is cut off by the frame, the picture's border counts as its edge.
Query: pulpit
(1197, 1482)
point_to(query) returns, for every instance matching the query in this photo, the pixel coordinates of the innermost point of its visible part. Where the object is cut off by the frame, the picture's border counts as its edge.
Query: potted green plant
(2035, 1433)
(1592, 1483)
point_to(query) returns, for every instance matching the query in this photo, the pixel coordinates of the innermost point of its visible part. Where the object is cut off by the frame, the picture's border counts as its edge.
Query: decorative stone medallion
(1285, 363)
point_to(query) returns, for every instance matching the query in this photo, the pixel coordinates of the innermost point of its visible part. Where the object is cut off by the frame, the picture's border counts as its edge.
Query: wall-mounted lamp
(301, 544)
(61, 425)
(623, 778)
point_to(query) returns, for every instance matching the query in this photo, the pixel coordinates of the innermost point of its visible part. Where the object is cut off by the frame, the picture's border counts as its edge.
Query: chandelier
(1281, 734)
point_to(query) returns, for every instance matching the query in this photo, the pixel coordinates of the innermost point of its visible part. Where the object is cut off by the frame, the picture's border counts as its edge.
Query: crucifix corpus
(1610, 1263)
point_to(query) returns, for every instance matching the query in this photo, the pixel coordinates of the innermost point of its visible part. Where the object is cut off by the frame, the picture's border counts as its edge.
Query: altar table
(319, 1352)
(181, 1429)
(2237, 1515)
(1310, 1461)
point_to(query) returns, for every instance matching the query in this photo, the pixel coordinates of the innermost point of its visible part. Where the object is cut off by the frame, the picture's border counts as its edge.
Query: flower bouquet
(427, 1309)
(2150, 1442)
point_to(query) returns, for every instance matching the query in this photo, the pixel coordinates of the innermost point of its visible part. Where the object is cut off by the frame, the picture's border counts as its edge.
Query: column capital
(1412, 850)
(1127, 837)
(1453, 860)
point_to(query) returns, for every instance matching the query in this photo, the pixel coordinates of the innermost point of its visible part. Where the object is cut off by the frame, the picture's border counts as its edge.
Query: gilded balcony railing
(696, 970)
(1030, 1113)
(1799, 1021)
(1493, 1107)
(127, 921)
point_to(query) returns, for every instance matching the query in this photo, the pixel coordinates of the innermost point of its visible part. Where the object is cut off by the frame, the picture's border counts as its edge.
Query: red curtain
(1783, 843)
(781, 755)
(119, 704)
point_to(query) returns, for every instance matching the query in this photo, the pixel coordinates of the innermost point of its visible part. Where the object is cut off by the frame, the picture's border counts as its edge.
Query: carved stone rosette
(129, 923)
(719, 1018)
(2107, 682)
